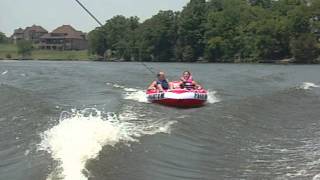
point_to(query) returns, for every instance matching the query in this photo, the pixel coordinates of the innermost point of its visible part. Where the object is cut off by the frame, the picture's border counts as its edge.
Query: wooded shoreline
(218, 31)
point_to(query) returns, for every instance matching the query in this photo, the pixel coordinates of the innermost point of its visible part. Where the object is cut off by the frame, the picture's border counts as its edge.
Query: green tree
(24, 48)
(157, 36)
(214, 49)
(215, 5)
(191, 28)
(299, 19)
(272, 37)
(118, 36)
(97, 41)
(227, 31)
(218, 30)
(3, 38)
(304, 48)
(188, 54)
(121, 36)
(262, 3)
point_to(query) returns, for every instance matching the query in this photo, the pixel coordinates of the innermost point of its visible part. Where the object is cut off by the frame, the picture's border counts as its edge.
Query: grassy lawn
(60, 55)
(11, 49)
(8, 49)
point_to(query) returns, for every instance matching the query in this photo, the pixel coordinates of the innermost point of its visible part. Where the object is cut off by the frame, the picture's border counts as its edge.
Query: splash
(308, 85)
(115, 85)
(79, 138)
(130, 89)
(212, 97)
(80, 135)
(4, 72)
(135, 95)
(316, 177)
(131, 93)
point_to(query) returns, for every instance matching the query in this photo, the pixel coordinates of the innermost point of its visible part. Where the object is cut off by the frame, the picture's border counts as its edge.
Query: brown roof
(17, 31)
(36, 29)
(64, 32)
(66, 29)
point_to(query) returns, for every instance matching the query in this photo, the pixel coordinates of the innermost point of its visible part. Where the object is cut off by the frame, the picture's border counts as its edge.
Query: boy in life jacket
(187, 82)
(161, 83)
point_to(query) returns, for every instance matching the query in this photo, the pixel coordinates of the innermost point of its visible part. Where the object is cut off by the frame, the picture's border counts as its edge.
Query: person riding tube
(161, 83)
(187, 82)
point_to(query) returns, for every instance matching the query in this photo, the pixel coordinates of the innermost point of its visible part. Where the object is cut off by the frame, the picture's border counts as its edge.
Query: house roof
(64, 32)
(64, 29)
(36, 29)
(19, 30)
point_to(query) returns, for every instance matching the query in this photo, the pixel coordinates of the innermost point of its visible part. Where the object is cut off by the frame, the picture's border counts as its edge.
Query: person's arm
(181, 84)
(160, 88)
(152, 86)
(169, 84)
(196, 85)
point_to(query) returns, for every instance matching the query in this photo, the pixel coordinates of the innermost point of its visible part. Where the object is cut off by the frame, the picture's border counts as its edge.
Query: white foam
(80, 136)
(131, 93)
(212, 98)
(316, 177)
(308, 85)
(118, 86)
(4, 72)
(130, 89)
(115, 85)
(135, 95)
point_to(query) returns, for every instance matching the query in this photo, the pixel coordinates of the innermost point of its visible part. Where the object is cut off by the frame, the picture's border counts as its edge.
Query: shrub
(8, 56)
(24, 48)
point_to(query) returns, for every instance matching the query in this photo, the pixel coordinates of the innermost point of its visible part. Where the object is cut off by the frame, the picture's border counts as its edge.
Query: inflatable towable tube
(178, 97)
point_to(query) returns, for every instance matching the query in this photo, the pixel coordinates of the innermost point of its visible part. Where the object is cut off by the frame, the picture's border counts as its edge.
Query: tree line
(3, 38)
(215, 31)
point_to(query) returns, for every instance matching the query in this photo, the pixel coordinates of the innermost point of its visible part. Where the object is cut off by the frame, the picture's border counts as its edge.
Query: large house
(17, 35)
(64, 38)
(32, 33)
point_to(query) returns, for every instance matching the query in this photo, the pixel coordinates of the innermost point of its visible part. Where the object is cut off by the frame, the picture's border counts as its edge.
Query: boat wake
(115, 85)
(308, 85)
(80, 135)
(212, 97)
(135, 95)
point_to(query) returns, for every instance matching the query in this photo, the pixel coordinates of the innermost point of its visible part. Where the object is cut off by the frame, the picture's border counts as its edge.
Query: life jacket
(188, 83)
(164, 83)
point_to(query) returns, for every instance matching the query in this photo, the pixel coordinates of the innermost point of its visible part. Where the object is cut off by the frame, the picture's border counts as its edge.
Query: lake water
(90, 120)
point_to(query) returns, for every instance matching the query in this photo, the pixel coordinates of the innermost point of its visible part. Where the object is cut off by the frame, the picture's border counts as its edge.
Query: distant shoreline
(273, 62)
(83, 55)
(9, 52)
